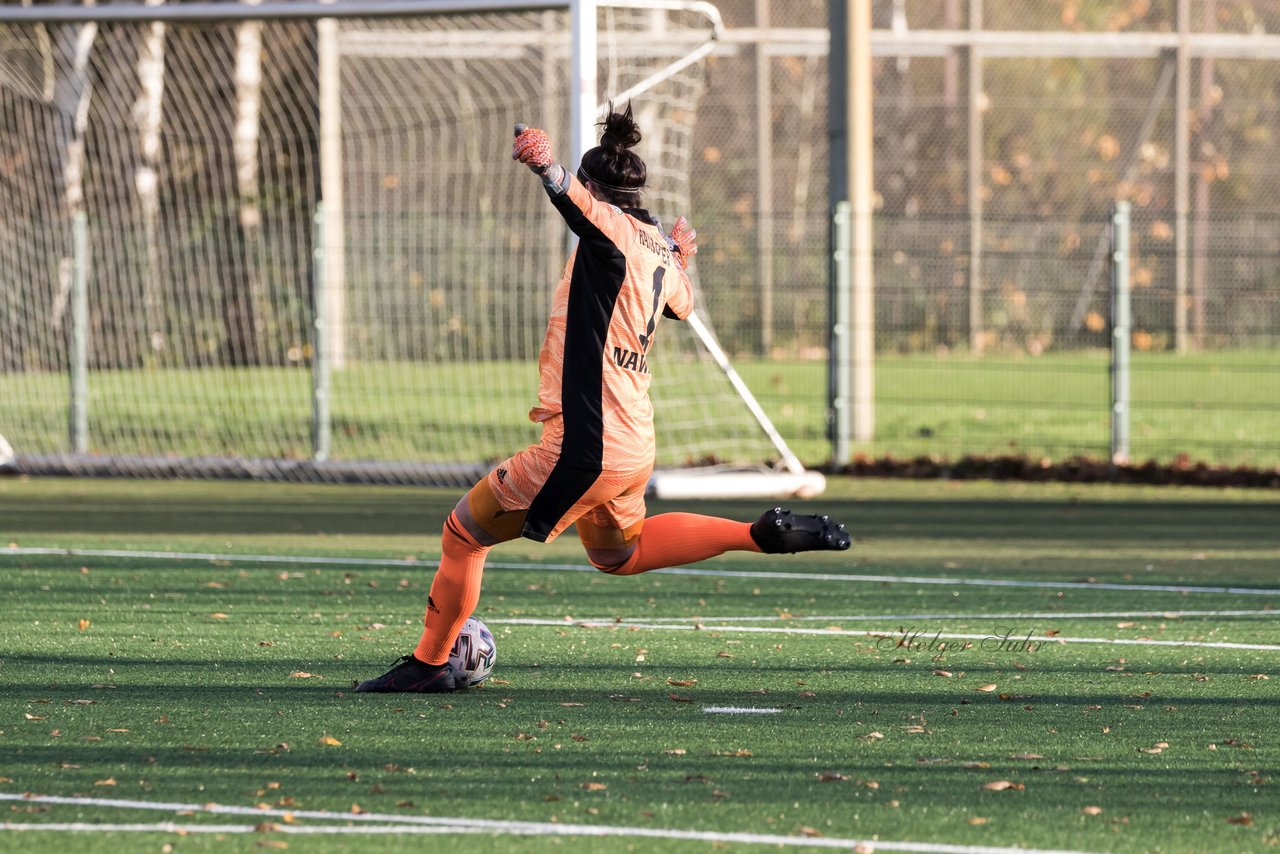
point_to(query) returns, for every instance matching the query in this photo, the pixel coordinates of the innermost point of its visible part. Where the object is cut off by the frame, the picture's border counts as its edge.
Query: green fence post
(1120, 331)
(79, 408)
(840, 362)
(321, 421)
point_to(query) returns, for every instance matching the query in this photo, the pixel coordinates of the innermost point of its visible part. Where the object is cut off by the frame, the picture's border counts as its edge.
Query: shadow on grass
(145, 508)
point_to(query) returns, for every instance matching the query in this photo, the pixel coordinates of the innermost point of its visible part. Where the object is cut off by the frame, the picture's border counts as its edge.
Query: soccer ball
(473, 654)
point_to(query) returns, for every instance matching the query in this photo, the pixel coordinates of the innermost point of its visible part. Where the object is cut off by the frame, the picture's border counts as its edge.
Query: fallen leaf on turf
(1126, 625)
(976, 766)
(219, 616)
(723, 654)
(110, 781)
(571, 705)
(1152, 750)
(302, 674)
(676, 751)
(987, 689)
(1091, 810)
(84, 624)
(977, 819)
(805, 830)
(330, 741)
(1051, 633)
(831, 777)
(1258, 676)
(942, 673)
(914, 728)
(678, 699)
(1162, 744)
(682, 683)
(117, 729)
(82, 702)
(1244, 818)
(1026, 756)
(32, 717)
(1002, 785)
(595, 787)
(874, 736)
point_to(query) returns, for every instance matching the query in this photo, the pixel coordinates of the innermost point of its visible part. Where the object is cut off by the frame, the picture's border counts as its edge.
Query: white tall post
(1181, 173)
(332, 290)
(582, 110)
(764, 181)
(977, 101)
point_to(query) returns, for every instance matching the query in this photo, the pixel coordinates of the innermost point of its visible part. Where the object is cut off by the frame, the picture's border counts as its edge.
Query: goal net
(298, 248)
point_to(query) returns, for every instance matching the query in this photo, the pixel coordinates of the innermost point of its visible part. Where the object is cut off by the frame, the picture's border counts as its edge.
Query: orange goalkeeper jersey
(593, 386)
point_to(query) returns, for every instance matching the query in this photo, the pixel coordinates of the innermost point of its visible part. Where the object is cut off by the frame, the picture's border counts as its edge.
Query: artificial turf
(227, 679)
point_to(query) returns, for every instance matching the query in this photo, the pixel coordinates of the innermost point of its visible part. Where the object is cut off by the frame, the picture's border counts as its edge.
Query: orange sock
(673, 539)
(455, 591)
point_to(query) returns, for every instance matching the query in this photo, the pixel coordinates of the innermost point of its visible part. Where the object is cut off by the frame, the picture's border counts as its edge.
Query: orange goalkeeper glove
(532, 147)
(682, 239)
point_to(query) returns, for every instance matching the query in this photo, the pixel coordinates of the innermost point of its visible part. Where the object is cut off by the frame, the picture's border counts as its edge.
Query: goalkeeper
(596, 454)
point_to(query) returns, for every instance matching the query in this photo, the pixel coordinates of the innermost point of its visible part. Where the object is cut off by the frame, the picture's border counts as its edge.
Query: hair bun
(620, 130)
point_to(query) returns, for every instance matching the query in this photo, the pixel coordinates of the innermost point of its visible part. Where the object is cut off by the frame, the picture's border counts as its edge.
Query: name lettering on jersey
(657, 247)
(630, 360)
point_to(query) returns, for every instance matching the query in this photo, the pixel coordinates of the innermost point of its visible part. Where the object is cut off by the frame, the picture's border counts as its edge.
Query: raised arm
(598, 224)
(683, 248)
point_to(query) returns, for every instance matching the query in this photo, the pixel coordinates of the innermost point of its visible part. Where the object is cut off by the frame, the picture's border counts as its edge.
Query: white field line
(874, 633)
(1018, 615)
(320, 560)
(174, 827)
(391, 823)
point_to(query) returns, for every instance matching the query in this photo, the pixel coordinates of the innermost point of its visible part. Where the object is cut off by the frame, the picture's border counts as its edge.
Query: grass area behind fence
(1219, 408)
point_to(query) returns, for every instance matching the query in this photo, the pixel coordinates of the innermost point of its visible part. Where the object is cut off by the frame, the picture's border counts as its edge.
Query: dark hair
(612, 166)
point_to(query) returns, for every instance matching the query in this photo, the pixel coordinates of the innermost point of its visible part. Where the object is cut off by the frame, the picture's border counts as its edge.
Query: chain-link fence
(1004, 133)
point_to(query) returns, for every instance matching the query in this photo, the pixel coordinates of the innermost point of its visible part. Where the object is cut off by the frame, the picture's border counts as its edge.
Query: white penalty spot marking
(740, 710)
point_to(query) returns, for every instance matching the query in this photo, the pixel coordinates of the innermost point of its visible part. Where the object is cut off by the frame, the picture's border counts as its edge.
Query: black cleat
(412, 676)
(777, 531)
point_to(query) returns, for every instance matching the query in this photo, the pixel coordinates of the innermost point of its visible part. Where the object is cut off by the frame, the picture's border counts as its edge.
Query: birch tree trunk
(148, 115)
(73, 92)
(240, 311)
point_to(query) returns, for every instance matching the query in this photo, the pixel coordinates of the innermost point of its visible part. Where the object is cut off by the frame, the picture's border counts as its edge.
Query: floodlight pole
(851, 356)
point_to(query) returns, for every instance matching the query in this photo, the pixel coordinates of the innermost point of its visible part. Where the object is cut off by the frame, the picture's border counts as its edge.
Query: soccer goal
(287, 241)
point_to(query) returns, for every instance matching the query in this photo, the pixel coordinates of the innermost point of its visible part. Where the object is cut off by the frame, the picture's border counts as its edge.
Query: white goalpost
(286, 240)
